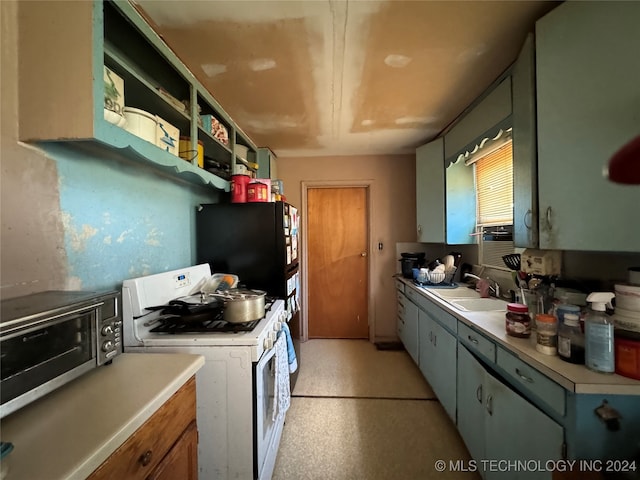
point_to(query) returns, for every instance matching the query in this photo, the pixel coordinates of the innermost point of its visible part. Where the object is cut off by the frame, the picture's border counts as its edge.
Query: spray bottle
(598, 329)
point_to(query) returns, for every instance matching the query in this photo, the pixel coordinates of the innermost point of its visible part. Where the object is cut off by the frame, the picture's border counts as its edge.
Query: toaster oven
(50, 338)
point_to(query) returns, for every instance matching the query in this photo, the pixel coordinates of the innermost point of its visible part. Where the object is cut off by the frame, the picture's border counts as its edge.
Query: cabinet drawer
(525, 377)
(401, 299)
(144, 450)
(477, 343)
(399, 286)
(447, 320)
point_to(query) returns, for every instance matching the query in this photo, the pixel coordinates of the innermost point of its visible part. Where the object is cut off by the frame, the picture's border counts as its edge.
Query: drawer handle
(145, 458)
(524, 377)
(490, 404)
(472, 339)
(479, 393)
(435, 341)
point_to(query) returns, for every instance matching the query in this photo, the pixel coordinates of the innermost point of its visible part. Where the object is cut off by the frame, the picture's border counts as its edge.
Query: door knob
(363, 254)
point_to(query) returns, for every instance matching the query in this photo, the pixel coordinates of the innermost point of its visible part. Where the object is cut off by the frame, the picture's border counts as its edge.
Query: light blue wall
(123, 220)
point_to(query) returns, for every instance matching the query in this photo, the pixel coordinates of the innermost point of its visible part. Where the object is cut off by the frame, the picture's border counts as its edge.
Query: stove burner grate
(203, 323)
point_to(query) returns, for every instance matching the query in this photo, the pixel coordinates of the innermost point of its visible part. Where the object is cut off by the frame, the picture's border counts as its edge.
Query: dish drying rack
(438, 279)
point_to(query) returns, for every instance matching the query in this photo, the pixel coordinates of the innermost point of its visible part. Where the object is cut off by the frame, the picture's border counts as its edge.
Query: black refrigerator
(258, 242)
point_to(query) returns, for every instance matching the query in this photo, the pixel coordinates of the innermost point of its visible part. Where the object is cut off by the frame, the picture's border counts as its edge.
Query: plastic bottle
(571, 340)
(599, 353)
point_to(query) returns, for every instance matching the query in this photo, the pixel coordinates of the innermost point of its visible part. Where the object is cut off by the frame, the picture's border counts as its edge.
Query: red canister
(257, 192)
(239, 185)
(627, 355)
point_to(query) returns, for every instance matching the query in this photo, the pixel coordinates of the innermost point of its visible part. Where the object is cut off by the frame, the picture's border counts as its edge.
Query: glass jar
(518, 322)
(547, 334)
(571, 340)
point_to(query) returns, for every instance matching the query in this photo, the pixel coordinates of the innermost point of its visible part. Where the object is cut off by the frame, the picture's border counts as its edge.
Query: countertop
(71, 431)
(575, 378)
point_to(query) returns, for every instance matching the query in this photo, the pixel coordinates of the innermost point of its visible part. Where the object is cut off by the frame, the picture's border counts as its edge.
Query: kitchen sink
(479, 304)
(460, 292)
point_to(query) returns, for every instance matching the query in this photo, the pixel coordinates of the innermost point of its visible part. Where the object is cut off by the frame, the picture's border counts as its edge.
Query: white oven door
(268, 426)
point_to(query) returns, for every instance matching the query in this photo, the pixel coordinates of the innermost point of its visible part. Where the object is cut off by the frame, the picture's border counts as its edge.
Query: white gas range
(238, 431)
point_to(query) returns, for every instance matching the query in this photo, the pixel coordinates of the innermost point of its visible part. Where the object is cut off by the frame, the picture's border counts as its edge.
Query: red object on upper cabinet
(624, 165)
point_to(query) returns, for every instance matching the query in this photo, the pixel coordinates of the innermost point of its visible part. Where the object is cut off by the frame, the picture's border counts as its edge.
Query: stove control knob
(273, 336)
(107, 346)
(107, 330)
(277, 326)
(268, 343)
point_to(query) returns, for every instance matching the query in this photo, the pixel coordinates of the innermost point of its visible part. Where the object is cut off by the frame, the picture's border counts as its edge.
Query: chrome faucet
(495, 288)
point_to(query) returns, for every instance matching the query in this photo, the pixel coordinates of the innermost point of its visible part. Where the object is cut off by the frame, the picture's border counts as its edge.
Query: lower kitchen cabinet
(438, 360)
(497, 424)
(165, 447)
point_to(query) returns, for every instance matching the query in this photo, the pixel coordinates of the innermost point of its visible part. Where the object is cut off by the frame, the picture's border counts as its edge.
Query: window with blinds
(494, 191)
(494, 186)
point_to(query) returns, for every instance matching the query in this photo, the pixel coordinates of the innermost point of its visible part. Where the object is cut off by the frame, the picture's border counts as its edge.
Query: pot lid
(241, 294)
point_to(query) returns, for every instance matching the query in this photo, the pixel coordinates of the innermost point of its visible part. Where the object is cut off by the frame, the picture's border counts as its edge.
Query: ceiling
(344, 77)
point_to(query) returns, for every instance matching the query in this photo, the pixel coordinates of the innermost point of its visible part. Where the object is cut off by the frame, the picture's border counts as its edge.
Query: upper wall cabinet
(588, 98)
(430, 192)
(525, 181)
(484, 120)
(64, 47)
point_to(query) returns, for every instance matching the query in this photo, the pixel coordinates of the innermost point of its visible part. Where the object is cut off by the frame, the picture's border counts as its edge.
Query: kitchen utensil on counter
(457, 258)
(433, 265)
(423, 275)
(436, 277)
(242, 305)
(409, 261)
(512, 261)
(449, 262)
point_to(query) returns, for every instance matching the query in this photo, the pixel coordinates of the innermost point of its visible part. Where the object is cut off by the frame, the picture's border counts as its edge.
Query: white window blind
(494, 186)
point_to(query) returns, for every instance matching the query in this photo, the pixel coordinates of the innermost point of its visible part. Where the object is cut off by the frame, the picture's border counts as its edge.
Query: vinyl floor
(362, 413)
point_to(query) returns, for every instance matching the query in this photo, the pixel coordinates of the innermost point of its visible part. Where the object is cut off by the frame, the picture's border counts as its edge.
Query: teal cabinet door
(525, 152)
(430, 192)
(438, 360)
(444, 368)
(471, 396)
(410, 334)
(425, 334)
(461, 204)
(588, 106)
(517, 430)
(498, 425)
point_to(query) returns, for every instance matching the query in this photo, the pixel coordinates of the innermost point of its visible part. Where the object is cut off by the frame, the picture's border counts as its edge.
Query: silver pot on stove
(242, 305)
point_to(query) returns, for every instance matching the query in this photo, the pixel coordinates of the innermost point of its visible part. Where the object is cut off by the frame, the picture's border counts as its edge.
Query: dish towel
(282, 387)
(293, 361)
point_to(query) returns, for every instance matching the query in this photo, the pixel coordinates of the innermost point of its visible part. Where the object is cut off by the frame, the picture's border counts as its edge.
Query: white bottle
(598, 330)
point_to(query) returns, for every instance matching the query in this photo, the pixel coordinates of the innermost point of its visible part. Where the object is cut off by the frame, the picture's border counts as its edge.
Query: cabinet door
(182, 460)
(443, 368)
(430, 192)
(588, 101)
(471, 396)
(411, 330)
(425, 343)
(517, 430)
(525, 153)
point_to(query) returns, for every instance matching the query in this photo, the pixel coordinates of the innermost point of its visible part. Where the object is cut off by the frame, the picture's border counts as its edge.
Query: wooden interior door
(338, 263)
